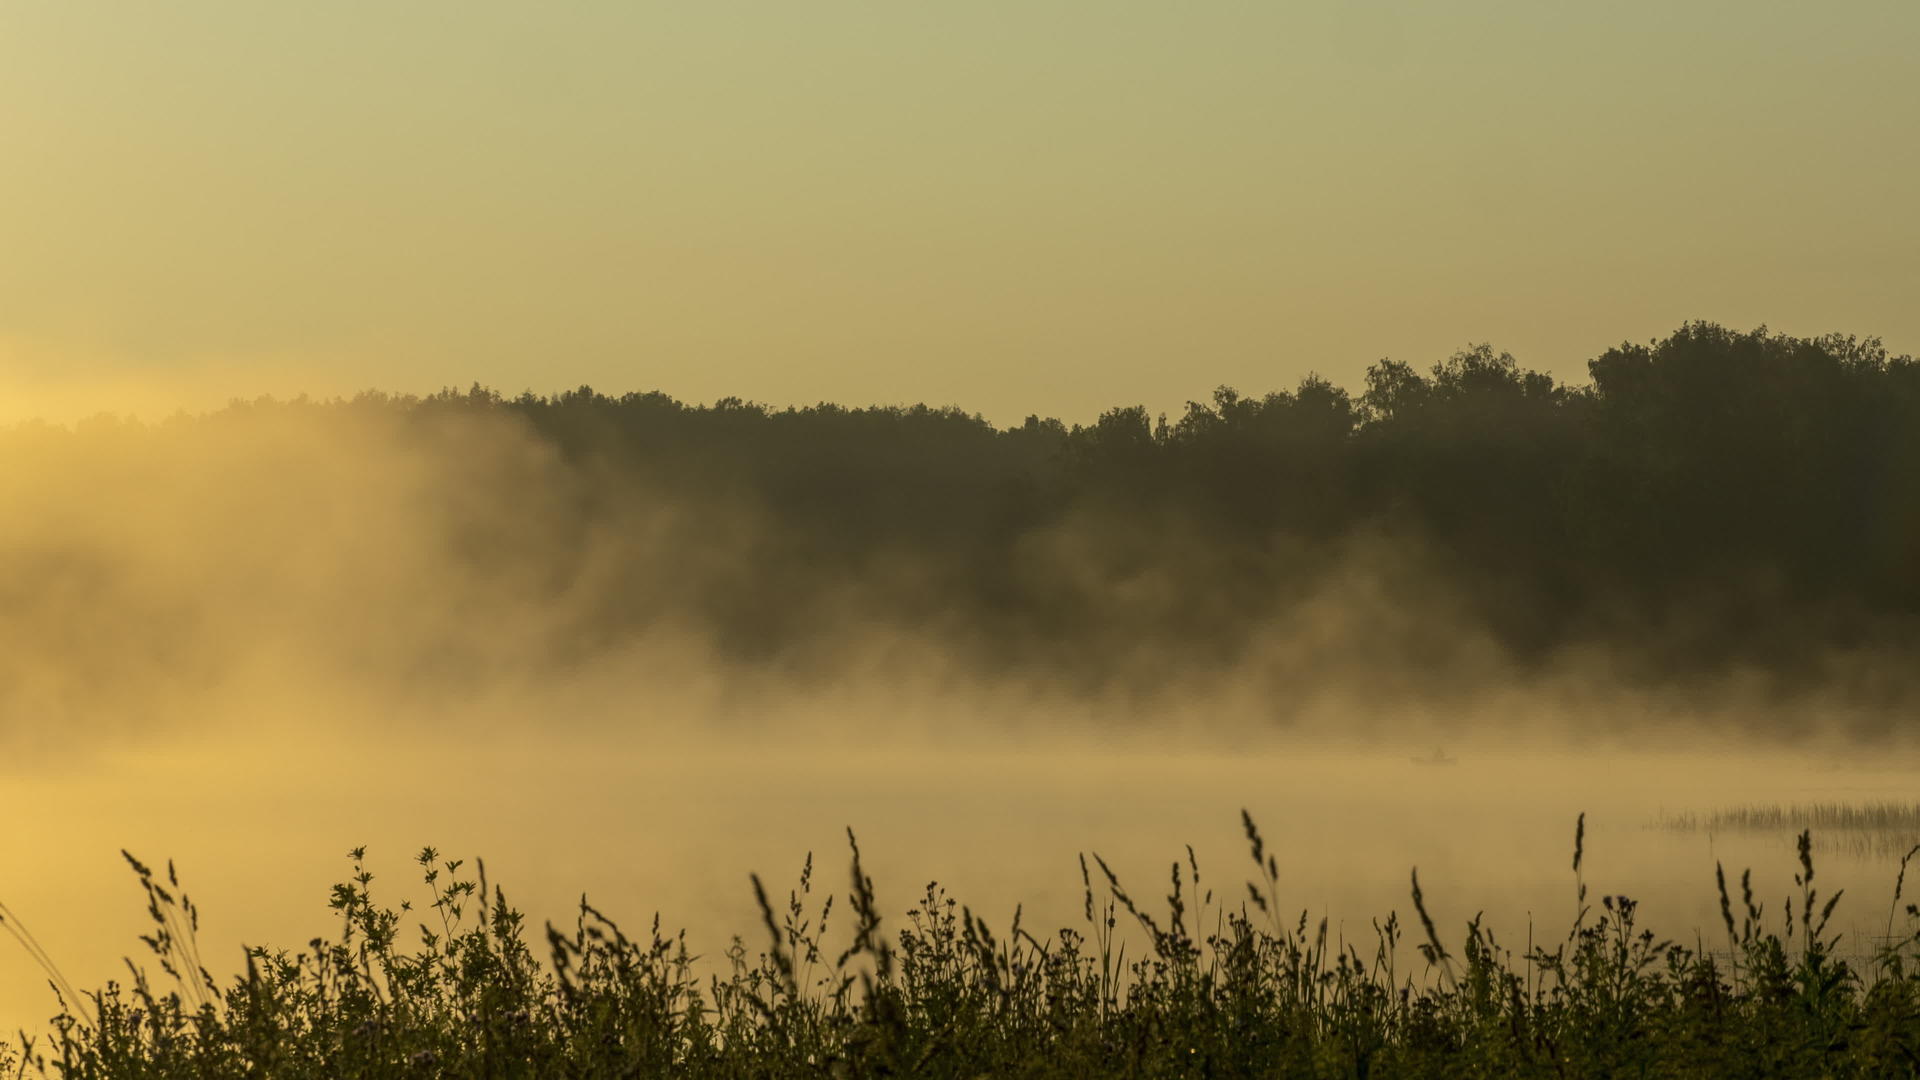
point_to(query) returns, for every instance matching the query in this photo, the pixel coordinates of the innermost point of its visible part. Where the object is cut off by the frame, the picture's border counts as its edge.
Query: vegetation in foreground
(1225, 987)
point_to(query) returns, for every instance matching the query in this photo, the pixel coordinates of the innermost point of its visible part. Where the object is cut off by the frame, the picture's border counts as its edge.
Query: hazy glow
(644, 828)
(233, 647)
(254, 641)
(1052, 206)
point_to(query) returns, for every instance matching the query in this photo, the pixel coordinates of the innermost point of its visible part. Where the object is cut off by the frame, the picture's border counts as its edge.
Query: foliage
(1222, 988)
(1715, 501)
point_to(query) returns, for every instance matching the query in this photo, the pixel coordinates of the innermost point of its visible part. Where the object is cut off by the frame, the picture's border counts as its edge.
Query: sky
(1050, 206)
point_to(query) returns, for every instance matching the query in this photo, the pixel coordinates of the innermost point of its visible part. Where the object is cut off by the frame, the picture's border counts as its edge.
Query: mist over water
(1226, 542)
(253, 641)
(259, 829)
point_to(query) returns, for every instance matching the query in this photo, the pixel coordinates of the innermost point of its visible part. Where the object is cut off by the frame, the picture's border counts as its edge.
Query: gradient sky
(1046, 206)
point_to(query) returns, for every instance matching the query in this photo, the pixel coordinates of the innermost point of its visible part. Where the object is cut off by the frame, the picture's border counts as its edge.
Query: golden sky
(1039, 206)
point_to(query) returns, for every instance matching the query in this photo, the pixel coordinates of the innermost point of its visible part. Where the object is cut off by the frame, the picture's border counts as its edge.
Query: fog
(252, 641)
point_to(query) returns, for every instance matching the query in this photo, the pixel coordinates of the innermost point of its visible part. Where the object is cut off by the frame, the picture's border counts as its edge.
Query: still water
(259, 829)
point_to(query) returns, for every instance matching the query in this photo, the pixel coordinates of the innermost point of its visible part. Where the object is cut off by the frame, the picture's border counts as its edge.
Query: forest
(1713, 501)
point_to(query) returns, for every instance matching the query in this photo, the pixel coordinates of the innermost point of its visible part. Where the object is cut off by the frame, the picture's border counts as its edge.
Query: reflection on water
(1878, 827)
(259, 833)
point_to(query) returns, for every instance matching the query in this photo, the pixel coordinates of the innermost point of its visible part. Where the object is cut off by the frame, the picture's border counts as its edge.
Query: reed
(1869, 829)
(1880, 817)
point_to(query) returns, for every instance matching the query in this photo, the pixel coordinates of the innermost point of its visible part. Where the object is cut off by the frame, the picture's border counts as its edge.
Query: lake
(258, 825)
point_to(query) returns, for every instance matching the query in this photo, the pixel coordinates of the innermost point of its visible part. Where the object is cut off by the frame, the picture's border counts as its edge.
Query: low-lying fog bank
(640, 649)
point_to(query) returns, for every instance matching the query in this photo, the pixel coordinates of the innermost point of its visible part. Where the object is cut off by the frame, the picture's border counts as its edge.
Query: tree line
(1712, 499)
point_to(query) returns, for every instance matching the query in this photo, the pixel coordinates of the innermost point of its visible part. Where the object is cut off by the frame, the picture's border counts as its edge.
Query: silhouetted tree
(1710, 498)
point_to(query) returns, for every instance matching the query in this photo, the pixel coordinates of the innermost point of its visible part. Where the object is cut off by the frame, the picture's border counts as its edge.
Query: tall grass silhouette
(1218, 984)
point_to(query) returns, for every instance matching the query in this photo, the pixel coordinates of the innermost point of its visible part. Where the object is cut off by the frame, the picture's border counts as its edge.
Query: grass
(1218, 984)
(1871, 828)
